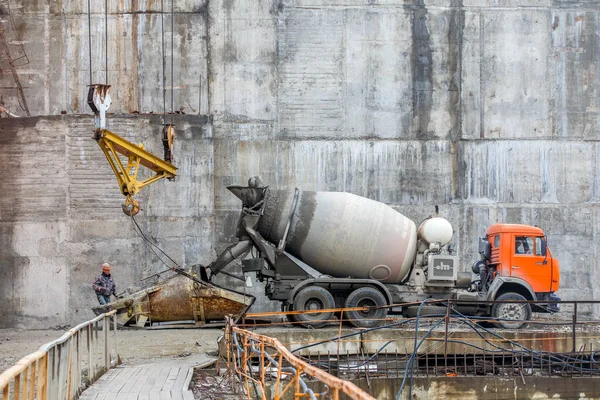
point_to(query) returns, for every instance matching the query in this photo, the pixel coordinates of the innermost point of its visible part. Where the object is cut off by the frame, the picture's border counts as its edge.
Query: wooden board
(165, 380)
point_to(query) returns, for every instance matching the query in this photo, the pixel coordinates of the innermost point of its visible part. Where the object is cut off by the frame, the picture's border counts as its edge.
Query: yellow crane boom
(113, 145)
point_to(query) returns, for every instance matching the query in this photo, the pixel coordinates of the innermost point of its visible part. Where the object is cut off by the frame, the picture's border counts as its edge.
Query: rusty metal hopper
(178, 299)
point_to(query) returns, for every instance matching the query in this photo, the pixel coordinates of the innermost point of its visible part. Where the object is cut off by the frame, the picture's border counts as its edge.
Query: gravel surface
(213, 384)
(134, 346)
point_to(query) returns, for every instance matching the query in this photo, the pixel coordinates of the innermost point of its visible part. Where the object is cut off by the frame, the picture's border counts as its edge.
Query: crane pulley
(113, 145)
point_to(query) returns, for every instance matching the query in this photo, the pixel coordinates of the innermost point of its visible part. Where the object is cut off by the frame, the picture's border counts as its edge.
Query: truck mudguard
(502, 280)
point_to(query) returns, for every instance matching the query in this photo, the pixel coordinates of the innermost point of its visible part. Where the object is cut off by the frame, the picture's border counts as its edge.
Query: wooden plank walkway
(165, 380)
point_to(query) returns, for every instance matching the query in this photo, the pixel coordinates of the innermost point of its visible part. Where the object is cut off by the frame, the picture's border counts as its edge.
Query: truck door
(529, 262)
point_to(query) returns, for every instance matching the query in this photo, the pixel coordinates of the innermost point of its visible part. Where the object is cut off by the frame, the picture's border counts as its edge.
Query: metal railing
(64, 367)
(436, 343)
(572, 318)
(279, 373)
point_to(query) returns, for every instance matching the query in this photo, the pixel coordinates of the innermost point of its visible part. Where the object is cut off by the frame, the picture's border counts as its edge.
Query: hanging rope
(162, 35)
(153, 246)
(90, 39)
(172, 33)
(176, 268)
(106, 39)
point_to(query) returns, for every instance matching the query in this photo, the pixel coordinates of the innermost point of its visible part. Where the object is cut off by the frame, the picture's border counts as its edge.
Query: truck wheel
(517, 312)
(313, 298)
(366, 297)
(289, 317)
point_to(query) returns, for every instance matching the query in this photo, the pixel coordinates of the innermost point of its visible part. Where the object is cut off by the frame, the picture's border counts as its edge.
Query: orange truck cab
(517, 264)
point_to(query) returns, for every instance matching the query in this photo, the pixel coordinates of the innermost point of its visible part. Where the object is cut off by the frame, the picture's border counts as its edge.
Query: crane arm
(113, 145)
(127, 175)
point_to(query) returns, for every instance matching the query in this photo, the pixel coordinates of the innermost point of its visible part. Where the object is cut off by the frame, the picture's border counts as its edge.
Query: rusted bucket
(179, 299)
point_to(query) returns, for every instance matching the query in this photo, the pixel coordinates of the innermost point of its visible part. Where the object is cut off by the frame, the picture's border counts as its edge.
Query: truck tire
(517, 312)
(313, 298)
(366, 297)
(289, 317)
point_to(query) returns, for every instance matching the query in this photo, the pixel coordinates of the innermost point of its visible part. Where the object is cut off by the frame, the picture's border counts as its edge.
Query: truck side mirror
(543, 249)
(484, 248)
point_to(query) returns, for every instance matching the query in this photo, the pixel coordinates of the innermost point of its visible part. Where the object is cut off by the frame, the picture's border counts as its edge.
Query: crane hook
(131, 207)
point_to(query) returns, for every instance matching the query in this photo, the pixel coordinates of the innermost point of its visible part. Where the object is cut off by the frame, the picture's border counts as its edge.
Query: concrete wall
(487, 108)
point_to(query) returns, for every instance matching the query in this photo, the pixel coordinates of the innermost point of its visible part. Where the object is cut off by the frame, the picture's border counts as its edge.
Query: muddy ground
(134, 346)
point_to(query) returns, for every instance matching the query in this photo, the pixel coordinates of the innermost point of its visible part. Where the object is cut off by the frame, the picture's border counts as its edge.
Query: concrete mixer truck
(326, 250)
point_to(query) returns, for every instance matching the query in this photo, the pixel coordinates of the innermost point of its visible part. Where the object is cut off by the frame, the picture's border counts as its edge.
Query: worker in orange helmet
(104, 285)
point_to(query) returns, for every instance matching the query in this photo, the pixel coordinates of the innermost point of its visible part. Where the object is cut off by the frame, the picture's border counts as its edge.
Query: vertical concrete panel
(46, 273)
(28, 52)
(446, 41)
(190, 64)
(576, 45)
(513, 40)
(311, 68)
(12, 277)
(377, 73)
(595, 271)
(242, 62)
(152, 62)
(471, 91)
(33, 151)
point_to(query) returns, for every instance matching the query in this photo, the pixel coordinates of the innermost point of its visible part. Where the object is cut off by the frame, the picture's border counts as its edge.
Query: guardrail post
(96, 349)
(52, 374)
(105, 328)
(297, 382)
(262, 365)
(90, 339)
(64, 368)
(447, 322)
(17, 387)
(32, 381)
(78, 375)
(114, 316)
(574, 327)
(73, 368)
(42, 388)
(26, 374)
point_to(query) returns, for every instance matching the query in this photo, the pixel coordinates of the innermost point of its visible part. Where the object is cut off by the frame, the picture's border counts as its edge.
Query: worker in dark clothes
(104, 285)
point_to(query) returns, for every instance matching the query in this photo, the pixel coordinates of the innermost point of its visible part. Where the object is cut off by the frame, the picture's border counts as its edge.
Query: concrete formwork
(486, 108)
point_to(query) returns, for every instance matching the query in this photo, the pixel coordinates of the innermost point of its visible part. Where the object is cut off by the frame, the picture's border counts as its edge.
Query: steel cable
(90, 40)
(106, 40)
(172, 57)
(141, 233)
(162, 37)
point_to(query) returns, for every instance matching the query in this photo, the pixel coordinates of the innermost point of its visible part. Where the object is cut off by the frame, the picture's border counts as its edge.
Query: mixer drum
(341, 234)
